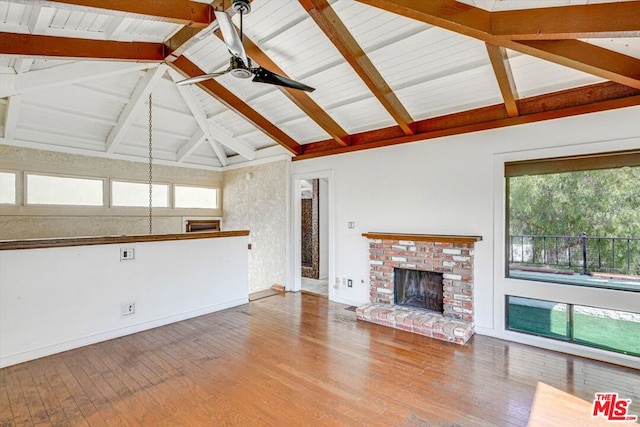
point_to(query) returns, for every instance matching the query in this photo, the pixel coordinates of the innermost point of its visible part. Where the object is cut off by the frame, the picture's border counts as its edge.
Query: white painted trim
(259, 161)
(294, 282)
(138, 98)
(36, 353)
(75, 72)
(12, 110)
(103, 155)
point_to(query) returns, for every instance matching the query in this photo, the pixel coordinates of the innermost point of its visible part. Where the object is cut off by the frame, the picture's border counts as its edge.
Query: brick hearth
(450, 255)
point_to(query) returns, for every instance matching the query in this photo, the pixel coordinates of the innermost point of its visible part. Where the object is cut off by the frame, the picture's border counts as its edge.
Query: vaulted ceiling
(77, 75)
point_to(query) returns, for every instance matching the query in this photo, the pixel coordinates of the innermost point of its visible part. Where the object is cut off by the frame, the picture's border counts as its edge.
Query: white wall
(454, 185)
(56, 299)
(260, 204)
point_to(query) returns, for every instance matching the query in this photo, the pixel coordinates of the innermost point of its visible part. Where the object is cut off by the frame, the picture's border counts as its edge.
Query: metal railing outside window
(581, 254)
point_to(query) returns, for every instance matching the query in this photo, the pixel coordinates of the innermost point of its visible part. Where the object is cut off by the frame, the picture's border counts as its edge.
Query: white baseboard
(36, 353)
(347, 301)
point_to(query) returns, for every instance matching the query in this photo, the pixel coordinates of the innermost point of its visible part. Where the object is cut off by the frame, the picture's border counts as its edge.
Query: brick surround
(450, 255)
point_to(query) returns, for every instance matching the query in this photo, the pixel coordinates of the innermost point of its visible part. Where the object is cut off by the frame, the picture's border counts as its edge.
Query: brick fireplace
(452, 256)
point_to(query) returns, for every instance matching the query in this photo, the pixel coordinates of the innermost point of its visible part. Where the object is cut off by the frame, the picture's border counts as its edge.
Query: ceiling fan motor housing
(241, 6)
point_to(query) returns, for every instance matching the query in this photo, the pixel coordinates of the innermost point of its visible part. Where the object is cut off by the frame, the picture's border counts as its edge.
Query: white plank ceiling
(100, 107)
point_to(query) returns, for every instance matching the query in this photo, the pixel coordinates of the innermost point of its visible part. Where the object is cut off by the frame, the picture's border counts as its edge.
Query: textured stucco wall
(259, 204)
(27, 222)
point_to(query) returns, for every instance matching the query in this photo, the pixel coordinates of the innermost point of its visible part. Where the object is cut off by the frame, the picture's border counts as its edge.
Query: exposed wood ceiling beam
(68, 47)
(201, 119)
(502, 70)
(138, 97)
(588, 58)
(66, 74)
(300, 98)
(187, 36)
(190, 146)
(475, 22)
(231, 101)
(22, 65)
(571, 102)
(37, 21)
(329, 22)
(183, 12)
(212, 131)
(569, 22)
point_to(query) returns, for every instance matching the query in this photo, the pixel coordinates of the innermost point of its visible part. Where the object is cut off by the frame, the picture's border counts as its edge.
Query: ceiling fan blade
(230, 36)
(201, 78)
(262, 75)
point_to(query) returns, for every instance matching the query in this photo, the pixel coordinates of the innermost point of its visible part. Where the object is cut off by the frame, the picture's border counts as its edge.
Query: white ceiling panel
(535, 76)
(450, 94)
(432, 71)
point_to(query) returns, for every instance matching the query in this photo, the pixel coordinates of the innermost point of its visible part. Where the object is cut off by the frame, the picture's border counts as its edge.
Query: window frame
(104, 189)
(216, 188)
(555, 165)
(17, 186)
(128, 181)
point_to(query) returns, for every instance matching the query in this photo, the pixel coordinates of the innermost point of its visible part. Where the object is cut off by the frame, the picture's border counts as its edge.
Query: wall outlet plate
(128, 309)
(127, 254)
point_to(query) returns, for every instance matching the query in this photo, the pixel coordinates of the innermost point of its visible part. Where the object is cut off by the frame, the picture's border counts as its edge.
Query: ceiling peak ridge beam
(569, 22)
(183, 12)
(138, 97)
(337, 32)
(502, 69)
(300, 98)
(212, 131)
(235, 104)
(475, 22)
(566, 103)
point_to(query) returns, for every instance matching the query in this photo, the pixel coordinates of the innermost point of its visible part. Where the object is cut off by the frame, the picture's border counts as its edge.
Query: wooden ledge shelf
(109, 240)
(423, 237)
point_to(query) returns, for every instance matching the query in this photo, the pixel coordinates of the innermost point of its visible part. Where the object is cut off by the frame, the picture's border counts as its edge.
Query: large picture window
(575, 220)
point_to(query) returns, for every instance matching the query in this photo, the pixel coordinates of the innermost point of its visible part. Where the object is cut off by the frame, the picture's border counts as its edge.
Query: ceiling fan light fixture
(241, 6)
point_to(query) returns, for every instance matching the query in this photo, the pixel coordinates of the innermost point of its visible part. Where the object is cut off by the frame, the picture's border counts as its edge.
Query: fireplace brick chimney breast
(450, 255)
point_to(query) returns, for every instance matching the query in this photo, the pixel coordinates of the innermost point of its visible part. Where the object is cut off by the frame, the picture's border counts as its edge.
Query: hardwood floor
(295, 359)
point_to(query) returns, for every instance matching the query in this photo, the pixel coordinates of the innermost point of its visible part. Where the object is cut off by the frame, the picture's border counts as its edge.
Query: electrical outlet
(349, 283)
(128, 309)
(127, 254)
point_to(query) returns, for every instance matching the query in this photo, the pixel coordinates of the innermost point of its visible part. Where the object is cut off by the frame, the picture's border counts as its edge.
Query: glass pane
(578, 228)
(610, 329)
(137, 194)
(196, 197)
(53, 190)
(7, 187)
(537, 317)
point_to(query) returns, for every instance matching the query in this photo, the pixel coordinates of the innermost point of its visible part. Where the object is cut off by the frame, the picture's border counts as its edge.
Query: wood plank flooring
(297, 360)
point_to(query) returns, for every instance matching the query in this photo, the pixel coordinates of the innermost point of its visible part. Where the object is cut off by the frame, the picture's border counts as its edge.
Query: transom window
(7, 188)
(57, 190)
(134, 194)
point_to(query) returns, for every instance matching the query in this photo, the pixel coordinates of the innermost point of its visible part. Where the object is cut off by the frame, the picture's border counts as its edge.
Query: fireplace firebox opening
(416, 288)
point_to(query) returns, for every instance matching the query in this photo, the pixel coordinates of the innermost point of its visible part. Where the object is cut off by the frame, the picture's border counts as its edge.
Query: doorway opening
(312, 225)
(313, 233)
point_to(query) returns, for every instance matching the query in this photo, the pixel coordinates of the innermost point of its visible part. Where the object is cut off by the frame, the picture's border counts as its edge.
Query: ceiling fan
(239, 63)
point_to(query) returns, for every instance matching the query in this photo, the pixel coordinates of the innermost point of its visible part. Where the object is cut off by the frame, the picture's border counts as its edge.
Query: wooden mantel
(423, 237)
(109, 240)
